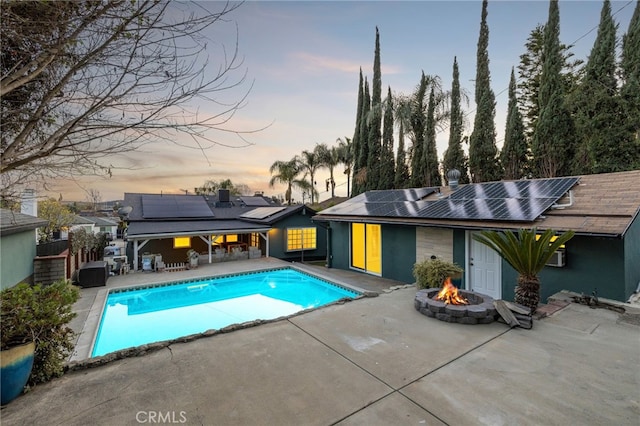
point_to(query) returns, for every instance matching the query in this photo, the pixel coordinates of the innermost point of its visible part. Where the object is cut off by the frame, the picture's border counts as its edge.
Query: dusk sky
(304, 57)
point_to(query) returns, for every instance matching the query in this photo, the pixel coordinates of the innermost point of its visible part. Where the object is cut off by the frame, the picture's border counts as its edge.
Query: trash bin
(93, 274)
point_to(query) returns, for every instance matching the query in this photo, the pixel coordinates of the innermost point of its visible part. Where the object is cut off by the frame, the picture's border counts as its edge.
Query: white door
(485, 270)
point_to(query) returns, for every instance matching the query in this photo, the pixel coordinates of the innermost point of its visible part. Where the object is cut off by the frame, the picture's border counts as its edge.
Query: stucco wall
(434, 242)
(16, 259)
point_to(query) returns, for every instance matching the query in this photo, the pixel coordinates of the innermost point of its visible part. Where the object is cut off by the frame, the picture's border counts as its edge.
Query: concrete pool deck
(372, 361)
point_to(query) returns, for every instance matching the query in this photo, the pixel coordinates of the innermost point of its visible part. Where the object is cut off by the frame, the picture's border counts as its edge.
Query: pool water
(136, 316)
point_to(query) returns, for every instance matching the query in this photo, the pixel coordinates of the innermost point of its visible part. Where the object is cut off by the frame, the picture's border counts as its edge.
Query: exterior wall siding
(16, 263)
(339, 249)
(593, 264)
(632, 258)
(434, 242)
(278, 239)
(608, 266)
(398, 252)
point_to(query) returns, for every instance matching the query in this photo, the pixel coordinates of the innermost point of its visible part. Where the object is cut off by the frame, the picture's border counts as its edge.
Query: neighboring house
(170, 225)
(17, 247)
(92, 224)
(385, 232)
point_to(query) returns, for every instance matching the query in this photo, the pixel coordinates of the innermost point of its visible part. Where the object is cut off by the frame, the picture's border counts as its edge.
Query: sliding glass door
(366, 247)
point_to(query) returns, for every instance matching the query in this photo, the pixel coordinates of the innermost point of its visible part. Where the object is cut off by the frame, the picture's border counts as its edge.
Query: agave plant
(527, 252)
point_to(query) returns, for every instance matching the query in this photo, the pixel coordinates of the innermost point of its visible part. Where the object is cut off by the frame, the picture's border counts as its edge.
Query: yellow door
(357, 245)
(374, 249)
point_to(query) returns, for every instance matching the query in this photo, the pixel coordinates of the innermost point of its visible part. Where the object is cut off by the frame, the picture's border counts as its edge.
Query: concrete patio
(373, 361)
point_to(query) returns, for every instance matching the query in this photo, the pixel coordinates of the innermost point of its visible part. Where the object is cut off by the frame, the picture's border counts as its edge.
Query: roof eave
(195, 233)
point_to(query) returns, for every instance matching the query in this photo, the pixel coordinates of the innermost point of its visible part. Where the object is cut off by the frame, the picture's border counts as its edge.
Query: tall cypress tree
(599, 110)
(387, 162)
(630, 90)
(402, 114)
(375, 134)
(418, 169)
(401, 179)
(360, 178)
(553, 139)
(514, 151)
(454, 157)
(530, 72)
(357, 139)
(430, 154)
(483, 153)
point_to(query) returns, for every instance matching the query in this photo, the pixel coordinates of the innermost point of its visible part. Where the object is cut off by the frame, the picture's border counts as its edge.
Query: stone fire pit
(480, 309)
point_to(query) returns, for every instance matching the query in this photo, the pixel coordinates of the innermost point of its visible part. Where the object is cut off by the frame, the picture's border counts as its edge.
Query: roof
(103, 221)
(166, 220)
(13, 222)
(604, 204)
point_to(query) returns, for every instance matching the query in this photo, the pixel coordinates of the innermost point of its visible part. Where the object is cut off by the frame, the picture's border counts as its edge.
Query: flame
(449, 294)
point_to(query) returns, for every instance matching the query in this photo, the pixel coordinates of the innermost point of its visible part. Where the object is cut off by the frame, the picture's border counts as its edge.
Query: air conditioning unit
(558, 259)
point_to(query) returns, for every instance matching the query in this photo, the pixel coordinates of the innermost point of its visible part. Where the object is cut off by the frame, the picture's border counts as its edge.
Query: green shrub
(40, 313)
(431, 273)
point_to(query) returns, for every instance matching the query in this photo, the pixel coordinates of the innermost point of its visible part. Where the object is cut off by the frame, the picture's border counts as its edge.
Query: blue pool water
(136, 316)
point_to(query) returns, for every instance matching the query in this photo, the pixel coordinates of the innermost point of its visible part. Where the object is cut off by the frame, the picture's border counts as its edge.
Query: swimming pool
(138, 315)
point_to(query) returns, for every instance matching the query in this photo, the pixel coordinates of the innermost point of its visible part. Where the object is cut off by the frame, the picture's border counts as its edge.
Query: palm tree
(287, 173)
(527, 253)
(310, 162)
(329, 157)
(346, 157)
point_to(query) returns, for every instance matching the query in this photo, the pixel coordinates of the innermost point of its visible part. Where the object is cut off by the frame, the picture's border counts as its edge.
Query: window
(301, 239)
(217, 239)
(182, 242)
(555, 237)
(366, 247)
(255, 239)
(231, 238)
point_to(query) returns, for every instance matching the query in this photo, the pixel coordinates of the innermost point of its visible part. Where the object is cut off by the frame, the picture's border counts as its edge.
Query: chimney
(453, 176)
(29, 203)
(223, 195)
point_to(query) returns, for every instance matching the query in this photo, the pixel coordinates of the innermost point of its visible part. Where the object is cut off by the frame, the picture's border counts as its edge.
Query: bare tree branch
(109, 77)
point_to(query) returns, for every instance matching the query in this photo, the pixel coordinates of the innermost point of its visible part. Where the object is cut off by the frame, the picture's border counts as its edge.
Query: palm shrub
(527, 253)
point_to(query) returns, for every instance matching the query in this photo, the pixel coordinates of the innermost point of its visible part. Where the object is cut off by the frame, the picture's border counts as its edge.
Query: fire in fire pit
(449, 294)
(453, 305)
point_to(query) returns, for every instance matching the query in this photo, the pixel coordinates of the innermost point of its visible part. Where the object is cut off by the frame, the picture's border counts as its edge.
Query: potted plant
(35, 338)
(431, 273)
(192, 258)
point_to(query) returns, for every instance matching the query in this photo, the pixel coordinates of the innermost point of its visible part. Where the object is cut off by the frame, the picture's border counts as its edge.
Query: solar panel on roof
(500, 201)
(498, 209)
(395, 195)
(539, 188)
(262, 212)
(254, 201)
(174, 206)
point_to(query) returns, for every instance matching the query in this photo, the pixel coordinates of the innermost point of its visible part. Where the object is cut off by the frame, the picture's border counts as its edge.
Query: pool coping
(88, 335)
